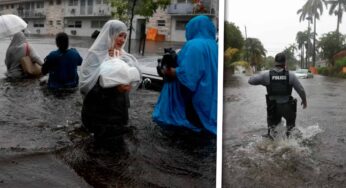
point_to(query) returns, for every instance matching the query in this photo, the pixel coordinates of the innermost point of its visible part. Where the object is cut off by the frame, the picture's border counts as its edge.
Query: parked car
(303, 73)
(148, 66)
(150, 77)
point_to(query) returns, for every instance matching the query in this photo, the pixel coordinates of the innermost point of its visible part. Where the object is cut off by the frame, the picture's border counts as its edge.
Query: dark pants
(276, 111)
(105, 113)
(191, 113)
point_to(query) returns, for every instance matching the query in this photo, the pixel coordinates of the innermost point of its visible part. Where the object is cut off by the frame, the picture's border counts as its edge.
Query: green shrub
(341, 75)
(340, 63)
(334, 71)
(323, 71)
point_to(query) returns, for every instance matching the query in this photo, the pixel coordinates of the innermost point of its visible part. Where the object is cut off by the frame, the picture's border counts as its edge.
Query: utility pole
(246, 47)
(314, 44)
(131, 20)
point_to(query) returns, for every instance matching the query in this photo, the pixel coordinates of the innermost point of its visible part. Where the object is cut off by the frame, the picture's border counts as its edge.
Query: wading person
(189, 97)
(105, 109)
(280, 103)
(18, 48)
(61, 65)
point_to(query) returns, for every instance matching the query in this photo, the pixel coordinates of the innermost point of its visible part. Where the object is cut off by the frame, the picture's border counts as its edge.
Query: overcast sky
(275, 22)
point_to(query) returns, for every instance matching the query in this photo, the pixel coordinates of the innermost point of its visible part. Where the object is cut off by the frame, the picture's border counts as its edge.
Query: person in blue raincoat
(189, 97)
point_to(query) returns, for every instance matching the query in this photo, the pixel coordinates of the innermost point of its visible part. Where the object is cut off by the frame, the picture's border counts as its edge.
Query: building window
(90, 7)
(161, 22)
(12, 6)
(97, 23)
(180, 24)
(58, 2)
(78, 24)
(74, 24)
(39, 5)
(51, 2)
(58, 22)
(73, 2)
(70, 24)
(38, 24)
(51, 22)
(98, 2)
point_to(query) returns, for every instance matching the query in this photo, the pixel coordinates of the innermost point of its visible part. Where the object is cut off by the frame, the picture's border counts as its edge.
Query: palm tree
(254, 51)
(292, 48)
(304, 41)
(337, 7)
(300, 38)
(312, 9)
(291, 61)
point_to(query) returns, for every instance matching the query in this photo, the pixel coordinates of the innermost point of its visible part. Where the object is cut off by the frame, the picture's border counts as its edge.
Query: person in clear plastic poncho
(15, 52)
(105, 109)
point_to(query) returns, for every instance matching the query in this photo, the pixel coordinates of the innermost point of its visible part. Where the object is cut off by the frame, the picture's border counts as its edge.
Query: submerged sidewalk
(44, 45)
(151, 47)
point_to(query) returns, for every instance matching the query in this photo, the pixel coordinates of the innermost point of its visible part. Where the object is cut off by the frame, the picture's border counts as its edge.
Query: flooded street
(313, 157)
(42, 143)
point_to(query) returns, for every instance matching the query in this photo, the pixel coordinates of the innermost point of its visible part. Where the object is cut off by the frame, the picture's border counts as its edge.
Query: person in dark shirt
(280, 103)
(61, 65)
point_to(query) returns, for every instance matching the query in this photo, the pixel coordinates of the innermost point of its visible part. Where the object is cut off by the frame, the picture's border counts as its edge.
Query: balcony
(190, 9)
(31, 14)
(80, 13)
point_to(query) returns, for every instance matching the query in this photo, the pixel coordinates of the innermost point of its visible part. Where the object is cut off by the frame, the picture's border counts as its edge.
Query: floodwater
(313, 157)
(42, 143)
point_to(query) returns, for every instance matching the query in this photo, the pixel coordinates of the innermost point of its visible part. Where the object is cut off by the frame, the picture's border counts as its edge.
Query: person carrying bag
(32, 69)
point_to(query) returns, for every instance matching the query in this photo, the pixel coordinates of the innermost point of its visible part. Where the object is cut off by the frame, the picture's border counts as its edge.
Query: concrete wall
(163, 30)
(54, 22)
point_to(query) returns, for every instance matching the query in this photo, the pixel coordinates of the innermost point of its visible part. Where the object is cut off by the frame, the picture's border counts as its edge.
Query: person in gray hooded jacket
(280, 103)
(15, 52)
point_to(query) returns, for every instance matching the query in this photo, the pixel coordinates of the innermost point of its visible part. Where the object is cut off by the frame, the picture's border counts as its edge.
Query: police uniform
(280, 103)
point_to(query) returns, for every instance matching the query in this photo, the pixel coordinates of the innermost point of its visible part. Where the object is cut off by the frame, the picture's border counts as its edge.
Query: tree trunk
(302, 58)
(314, 44)
(337, 25)
(131, 20)
(339, 18)
(307, 46)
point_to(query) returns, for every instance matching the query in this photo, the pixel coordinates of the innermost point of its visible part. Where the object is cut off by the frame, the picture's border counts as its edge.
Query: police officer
(279, 83)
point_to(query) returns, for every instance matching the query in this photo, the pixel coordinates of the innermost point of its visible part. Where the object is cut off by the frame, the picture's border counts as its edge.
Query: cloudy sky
(275, 22)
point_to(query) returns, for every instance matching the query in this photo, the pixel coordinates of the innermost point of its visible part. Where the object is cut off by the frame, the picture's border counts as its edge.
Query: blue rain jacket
(62, 68)
(196, 71)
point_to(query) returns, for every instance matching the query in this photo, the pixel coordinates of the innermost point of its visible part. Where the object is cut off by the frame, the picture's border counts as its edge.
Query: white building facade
(84, 17)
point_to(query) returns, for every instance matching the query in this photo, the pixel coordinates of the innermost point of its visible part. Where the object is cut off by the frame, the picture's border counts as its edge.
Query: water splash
(310, 131)
(281, 148)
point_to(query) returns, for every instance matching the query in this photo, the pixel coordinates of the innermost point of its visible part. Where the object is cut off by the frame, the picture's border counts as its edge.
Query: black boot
(289, 129)
(271, 134)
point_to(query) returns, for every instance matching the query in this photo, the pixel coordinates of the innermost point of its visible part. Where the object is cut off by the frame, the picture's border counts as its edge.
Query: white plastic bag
(115, 71)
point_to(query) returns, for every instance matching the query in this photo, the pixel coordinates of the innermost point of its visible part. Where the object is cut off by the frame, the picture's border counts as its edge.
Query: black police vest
(279, 84)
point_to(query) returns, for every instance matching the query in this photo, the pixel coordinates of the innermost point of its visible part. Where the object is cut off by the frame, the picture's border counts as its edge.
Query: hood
(200, 27)
(18, 39)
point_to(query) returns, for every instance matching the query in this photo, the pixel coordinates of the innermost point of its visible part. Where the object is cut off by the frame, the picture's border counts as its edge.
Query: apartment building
(171, 22)
(83, 17)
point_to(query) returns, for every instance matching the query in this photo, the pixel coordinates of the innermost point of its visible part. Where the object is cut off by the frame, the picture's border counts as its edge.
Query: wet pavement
(313, 157)
(42, 143)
